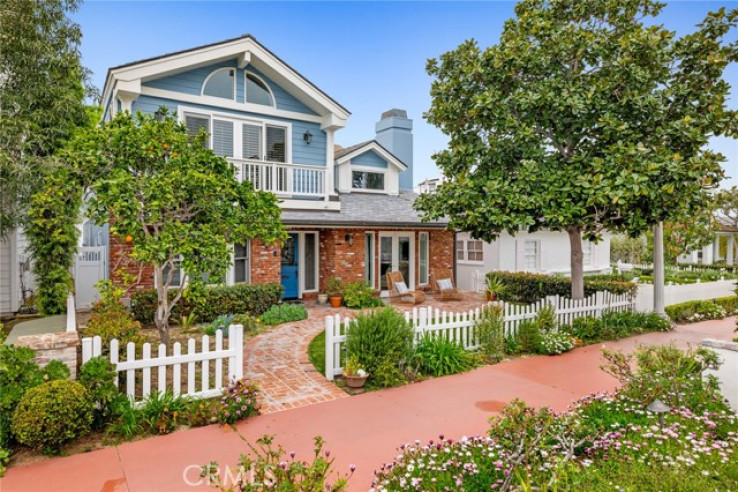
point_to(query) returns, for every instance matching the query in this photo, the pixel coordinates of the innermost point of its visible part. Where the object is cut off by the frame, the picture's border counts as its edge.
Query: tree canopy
(583, 118)
(42, 92)
(176, 203)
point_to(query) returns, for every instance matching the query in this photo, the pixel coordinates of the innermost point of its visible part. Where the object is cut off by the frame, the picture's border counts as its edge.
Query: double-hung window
(531, 255)
(470, 250)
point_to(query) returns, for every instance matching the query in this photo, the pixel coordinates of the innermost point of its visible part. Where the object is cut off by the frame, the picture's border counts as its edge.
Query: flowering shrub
(269, 468)
(603, 442)
(692, 311)
(554, 343)
(238, 402)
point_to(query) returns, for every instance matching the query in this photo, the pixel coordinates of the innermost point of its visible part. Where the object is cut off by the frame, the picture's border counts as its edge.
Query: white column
(658, 269)
(731, 250)
(329, 162)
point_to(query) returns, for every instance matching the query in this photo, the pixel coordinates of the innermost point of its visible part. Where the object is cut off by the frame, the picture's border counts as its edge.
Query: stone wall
(53, 346)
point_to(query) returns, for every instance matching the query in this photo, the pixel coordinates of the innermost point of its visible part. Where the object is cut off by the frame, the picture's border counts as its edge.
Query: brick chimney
(395, 133)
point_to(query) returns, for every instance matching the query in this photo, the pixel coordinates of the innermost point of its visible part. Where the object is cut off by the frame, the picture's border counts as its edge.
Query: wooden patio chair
(443, 285)
(408, 297)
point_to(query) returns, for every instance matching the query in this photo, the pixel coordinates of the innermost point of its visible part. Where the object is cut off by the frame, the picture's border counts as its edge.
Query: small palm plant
(495, 287)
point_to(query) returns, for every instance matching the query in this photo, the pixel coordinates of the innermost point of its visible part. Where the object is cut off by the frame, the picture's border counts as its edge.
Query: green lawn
(316, 352)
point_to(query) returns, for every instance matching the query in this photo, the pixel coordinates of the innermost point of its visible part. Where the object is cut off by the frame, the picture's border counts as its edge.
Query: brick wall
(266, 263)
(53, 346)
(120, 262)
(441, 250)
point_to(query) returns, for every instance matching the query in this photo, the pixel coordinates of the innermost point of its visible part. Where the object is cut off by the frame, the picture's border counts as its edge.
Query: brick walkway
(278, 361)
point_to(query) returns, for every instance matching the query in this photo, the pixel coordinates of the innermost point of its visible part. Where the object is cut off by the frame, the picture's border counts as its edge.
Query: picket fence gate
(461, 327)
(201, 383)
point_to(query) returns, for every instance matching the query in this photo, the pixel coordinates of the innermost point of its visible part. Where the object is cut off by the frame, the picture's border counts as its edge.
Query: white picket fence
(200, 381)
(461, 327)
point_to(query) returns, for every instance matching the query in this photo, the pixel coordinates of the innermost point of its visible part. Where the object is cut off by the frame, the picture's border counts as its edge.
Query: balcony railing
(282, 179)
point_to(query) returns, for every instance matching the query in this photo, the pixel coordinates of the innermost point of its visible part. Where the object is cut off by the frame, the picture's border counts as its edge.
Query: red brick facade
(337, 257)
(121, 264)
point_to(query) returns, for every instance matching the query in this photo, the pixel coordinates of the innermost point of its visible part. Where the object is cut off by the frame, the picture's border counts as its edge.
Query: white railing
(200, 381)
(461, 327)
(281, 178)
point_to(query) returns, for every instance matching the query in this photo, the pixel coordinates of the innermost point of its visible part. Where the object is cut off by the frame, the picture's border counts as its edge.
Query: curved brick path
(278, 361)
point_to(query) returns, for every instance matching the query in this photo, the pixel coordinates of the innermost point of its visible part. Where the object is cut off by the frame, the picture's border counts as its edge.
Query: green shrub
(127, 422)
(222, 323)
(382, 340)
(52, 414)
(19, 373)
(4, 458)
(691, 311)
(616, 325)
(211, 302)
(527, 335)
(112, 320)
(554, 343)
(284, 313)
(251, 324)
(546, 319)
(490, 329)
(530, 287)
(268, 464)
(97, 375)
(238, 402)
(162, 413)
(358, 295)
(439, 356)
(201, 412)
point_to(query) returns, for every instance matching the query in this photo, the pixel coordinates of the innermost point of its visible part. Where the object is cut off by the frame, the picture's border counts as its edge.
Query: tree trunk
(162, 308)
(577, 268)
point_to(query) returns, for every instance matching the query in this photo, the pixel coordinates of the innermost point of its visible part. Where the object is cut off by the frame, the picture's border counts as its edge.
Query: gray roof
(365, 209)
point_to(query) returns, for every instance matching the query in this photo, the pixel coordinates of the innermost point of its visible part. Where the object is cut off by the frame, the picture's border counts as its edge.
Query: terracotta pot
(355, 382)
(491, 296)
(336, 301)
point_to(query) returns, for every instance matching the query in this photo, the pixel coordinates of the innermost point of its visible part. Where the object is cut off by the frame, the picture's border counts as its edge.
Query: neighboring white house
(712, 252)
(539, 252)
(15, 272)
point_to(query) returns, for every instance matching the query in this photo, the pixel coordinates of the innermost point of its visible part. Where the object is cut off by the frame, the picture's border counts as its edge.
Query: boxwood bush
(52, 414)
(214, 301)
(691, 311)
(530, 287)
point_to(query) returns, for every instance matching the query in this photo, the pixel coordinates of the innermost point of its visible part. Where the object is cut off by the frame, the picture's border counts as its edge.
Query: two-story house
(348, 210)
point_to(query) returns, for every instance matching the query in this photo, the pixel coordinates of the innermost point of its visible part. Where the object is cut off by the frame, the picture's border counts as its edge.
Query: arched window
(220, 83)
(257, 91)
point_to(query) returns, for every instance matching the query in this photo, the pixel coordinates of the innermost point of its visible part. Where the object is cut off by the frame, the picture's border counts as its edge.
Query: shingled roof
(365, 209)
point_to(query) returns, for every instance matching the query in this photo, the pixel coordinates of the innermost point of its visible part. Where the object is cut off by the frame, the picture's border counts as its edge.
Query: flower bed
(604, 442)
(693, 311)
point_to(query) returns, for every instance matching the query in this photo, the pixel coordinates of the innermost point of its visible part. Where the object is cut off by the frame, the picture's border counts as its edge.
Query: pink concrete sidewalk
(364, 430)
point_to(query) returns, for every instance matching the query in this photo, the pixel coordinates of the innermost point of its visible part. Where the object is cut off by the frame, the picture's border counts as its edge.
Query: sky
(369, 56)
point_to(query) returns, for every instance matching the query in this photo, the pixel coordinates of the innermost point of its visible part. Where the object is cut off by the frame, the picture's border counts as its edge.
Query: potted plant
(354, 373)
(495, 287)
(334, 289)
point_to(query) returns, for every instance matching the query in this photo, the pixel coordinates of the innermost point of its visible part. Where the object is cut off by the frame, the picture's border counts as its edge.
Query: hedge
(530, 287)
(217, 300)
(712, 267)
(682, 312)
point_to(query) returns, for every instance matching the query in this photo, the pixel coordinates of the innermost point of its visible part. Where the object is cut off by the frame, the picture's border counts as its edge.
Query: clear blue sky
(369, 56)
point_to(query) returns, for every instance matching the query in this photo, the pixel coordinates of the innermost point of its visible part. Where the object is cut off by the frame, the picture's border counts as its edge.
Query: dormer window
(257, 91)
(367, 180)
(221, 83)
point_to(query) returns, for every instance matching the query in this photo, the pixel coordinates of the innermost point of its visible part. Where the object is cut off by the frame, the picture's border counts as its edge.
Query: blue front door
(290, 280)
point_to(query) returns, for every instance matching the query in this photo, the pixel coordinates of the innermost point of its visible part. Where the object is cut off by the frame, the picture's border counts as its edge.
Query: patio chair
(399, 292)
(443, 285)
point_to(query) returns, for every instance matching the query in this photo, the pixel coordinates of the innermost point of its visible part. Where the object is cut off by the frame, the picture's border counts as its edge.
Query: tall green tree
(583, 118)
(176, 203)
(727, 206)
(42, 92)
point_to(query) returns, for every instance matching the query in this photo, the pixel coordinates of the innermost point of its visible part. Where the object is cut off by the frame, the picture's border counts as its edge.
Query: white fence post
(329, 348)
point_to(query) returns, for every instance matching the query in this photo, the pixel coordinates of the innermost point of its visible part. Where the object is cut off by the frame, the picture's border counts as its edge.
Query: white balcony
(284, 180)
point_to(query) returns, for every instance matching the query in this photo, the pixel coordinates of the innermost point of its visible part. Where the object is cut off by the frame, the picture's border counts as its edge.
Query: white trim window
(257, 90)
(245, 138)
(423, 257)
(470, 250)
(369, 254)
(587, 253)
(242, 263)
(221, 82)
(531, 255)
(367, 180)
(177, 277)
